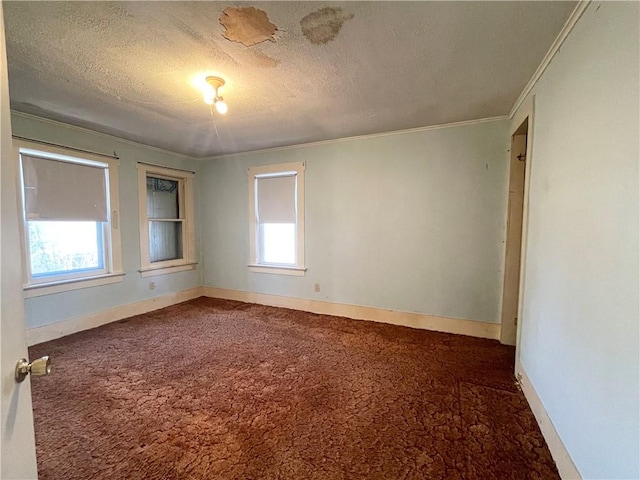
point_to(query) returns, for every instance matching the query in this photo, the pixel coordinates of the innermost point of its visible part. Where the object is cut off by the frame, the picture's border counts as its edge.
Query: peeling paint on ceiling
(323, 25)
(127, 68)
(248, 26)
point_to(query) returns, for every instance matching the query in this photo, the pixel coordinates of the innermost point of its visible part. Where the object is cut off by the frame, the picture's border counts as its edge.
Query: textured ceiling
(330, 70)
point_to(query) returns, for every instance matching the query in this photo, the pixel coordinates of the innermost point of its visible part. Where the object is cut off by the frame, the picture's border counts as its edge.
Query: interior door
(513, 250)
(17, 445)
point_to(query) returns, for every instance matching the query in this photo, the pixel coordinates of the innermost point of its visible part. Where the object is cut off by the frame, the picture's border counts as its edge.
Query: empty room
(320, 240)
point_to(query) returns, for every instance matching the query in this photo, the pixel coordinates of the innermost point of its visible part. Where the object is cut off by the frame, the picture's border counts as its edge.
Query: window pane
(65, 247)
(162, 198)
(278, 243)
(165, 241)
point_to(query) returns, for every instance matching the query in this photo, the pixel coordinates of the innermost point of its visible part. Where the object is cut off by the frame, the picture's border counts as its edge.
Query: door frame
(513, 250)
(525, 112)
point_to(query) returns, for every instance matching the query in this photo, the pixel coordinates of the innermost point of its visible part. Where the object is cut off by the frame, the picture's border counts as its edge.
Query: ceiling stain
(189, 31)
(260, 59)
(323, 25)
(140, 52)
(248, 25)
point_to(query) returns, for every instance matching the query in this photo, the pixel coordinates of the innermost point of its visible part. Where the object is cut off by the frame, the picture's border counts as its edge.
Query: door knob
(39, 367)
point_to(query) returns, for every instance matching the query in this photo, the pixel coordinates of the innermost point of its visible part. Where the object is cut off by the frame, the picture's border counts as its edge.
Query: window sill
(39, 289)
(154, 271)
(278, 270)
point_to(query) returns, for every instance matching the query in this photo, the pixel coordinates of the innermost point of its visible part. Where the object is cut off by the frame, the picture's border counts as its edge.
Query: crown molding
(356, 137)
(555, 47)
(99, 134)
(263, 150)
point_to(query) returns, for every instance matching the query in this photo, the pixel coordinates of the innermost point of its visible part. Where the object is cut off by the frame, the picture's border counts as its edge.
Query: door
(17, 443)
(510, 295)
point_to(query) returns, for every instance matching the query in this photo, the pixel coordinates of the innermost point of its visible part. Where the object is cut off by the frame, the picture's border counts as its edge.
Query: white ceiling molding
(358, 137)
(69, 126)
(555, 47)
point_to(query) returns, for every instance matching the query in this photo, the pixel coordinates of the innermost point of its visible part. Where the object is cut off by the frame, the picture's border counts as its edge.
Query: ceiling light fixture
(213, 97)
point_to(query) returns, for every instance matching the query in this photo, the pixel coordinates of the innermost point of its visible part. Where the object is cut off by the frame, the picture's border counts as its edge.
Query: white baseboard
(55, 330)
(566, 467)
(416, 320)
(472, 328)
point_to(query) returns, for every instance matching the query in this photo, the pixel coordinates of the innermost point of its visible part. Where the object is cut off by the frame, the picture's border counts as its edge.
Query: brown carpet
(213, 389)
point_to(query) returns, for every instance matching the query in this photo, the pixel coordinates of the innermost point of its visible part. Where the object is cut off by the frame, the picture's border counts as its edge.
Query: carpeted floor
(214, 389)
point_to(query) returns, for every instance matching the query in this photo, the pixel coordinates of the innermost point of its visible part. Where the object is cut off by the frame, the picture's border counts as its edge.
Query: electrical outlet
(316, 287)
(152, 285)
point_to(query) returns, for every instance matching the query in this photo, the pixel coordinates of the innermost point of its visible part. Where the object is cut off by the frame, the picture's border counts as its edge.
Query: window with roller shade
(68, 217)
(166, 220)
(276, 196)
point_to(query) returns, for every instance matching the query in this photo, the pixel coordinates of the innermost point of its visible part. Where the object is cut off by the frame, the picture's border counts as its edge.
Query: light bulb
(221, 106)
(208, 99)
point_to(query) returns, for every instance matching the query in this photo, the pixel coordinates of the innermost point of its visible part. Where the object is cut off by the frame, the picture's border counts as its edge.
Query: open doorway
(511, 287)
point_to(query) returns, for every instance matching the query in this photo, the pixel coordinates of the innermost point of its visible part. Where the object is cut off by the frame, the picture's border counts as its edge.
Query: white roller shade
(59, 190)
(276, 199)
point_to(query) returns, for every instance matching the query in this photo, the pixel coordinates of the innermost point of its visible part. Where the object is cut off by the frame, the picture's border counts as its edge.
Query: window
(69, 213)
(276, 204)
(166, 220)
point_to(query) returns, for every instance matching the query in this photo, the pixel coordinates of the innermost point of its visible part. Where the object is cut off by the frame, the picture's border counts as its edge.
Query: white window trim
(277, 170)
(40, 289)
(188, 262)
(113, 268)
(154, 271)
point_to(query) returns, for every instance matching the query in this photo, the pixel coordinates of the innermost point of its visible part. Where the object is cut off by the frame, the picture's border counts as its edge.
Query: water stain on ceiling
(323, 25)
(312, 71)
(248, 25)
(260, 59)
